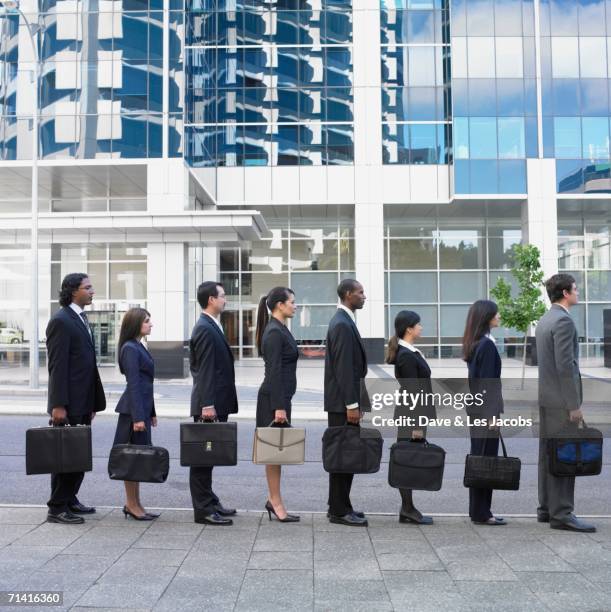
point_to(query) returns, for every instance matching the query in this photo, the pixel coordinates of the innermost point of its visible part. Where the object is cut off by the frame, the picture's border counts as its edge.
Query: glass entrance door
(103, 327)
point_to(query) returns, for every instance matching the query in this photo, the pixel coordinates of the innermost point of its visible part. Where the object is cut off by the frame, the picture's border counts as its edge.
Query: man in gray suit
(560, 398)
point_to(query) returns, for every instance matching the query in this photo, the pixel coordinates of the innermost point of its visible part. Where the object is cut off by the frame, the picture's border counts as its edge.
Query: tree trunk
(524, 358)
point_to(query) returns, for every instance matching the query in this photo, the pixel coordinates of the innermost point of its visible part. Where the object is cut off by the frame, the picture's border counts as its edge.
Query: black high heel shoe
(289, 518)
(153, 514)
(144, 517)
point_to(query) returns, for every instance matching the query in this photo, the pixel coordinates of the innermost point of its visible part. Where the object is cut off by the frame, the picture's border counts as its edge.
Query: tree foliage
(526, 308)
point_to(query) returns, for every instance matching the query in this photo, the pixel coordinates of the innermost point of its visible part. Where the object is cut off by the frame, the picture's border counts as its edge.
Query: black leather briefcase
(58, 450)
(207, 444)
(576, 451)
(485, 472)
(416, 464)
(348, 449)
(138, 463)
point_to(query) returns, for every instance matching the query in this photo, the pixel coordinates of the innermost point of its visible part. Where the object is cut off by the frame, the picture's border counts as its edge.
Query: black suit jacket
(280, 354)
(212, 369)
(74, 380)
(414, 375)
(345, 365)
(485, 376)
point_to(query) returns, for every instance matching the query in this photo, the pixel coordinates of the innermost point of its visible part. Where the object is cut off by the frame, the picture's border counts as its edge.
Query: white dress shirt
(409, 346)
(216, 321)
(353, 317)
(78, 311)
(350, 312)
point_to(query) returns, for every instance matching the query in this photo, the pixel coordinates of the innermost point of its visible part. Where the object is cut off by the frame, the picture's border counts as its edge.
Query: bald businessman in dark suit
(345, 369)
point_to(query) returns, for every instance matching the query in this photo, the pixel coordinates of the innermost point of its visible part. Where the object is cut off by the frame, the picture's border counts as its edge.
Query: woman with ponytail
(276, 345)
(414, 375)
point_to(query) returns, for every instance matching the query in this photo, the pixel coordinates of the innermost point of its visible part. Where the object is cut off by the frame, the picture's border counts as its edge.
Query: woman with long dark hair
(276, 345)
(414, 375)
(484, 364)
(136, 407)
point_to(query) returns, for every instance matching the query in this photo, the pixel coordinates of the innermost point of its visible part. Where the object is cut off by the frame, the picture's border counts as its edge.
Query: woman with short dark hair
(136, 407)
(277, 346)
(484, 364)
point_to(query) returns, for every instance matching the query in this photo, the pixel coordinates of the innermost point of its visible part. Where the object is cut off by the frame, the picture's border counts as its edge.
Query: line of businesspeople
(76, 393)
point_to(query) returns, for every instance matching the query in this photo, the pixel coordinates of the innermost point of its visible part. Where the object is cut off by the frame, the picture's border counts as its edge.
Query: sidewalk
(174, 564)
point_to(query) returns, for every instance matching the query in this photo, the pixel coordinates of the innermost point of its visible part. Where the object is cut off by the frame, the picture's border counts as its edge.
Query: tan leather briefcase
(279, 446)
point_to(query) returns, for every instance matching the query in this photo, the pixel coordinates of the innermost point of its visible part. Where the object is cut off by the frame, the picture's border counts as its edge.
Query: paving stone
(531, 557)
(23, 516)
(485, 568)
(10, 533)
(152, 558)
(135, 575)
(285, 540)
(281, 560)
(362, 568)
(53, 534)
(352, 606)
(25, 558)
(166, 541)
(87, 567)
(410, 560)
(142, 595)
(289, 589)
(166, 528)
(405, 581)
(360, 590)
(501, 596)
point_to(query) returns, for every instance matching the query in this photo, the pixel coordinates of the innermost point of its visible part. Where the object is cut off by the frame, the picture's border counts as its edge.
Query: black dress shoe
(79, 508)
(415, 517)
(66, 518)
(349, 519)
(213, 519)
(574, 524)
(542, 517)
(355, 512)
(220, 509)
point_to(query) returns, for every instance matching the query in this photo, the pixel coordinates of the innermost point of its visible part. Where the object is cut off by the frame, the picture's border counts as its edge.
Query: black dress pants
(484, 441)
(65, 487)
(200, 482)
(339, 484)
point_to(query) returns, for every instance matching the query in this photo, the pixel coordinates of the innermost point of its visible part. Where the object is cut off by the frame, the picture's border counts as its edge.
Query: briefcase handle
(502, 444)
(201, 419)
(279, 424)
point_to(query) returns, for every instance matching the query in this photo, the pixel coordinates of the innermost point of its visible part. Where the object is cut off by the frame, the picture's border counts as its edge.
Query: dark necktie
(86, 320)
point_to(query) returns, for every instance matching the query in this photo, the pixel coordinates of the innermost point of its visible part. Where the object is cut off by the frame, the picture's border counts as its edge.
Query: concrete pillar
(368, 208)
(539, 213)
(167, 271)
(167, 185)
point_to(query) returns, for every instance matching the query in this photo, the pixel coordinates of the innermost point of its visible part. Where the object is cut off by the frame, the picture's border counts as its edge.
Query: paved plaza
(173, 564)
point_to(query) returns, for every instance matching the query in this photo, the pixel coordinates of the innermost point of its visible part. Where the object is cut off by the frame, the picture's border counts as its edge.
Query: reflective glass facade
(101, 87)
(494, 97)
(575, 70)
(415, 81)
(269, 83)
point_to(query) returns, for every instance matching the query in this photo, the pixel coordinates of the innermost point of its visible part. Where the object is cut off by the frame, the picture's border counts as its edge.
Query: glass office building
(408, 143)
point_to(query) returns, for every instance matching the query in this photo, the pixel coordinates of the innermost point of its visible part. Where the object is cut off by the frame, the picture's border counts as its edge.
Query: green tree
(526, 308)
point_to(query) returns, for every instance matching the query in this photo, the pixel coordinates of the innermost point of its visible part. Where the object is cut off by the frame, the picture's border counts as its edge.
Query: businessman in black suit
(213, 395)
(75, 390)
(345, 368)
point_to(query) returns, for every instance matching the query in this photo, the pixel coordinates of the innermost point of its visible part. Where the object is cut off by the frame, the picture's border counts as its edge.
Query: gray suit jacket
(558, 357)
